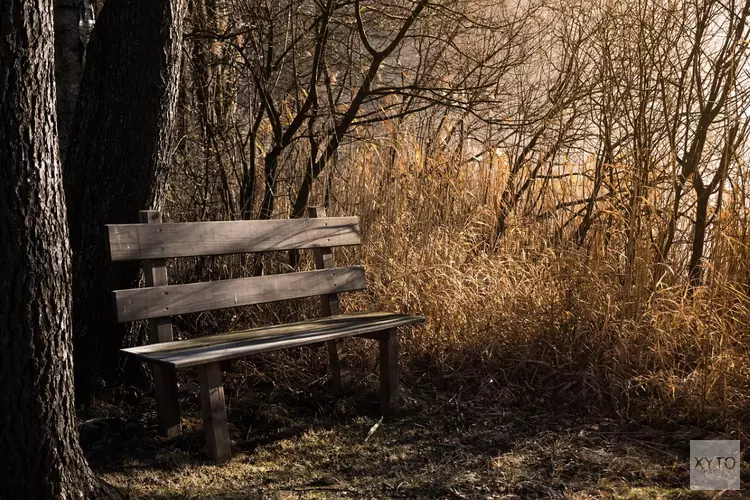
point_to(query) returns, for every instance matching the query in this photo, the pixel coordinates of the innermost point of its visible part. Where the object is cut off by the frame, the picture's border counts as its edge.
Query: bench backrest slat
(161, 301)
(190, 239)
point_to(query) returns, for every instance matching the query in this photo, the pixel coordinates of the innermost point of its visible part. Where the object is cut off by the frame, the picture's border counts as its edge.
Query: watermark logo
(714, 465)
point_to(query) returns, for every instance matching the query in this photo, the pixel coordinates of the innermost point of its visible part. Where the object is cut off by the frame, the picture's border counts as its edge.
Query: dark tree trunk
(68, 65)
(118, 159)
(73, 22)
(38, 436)
(269, 190)
(507, 203)
(603, 161)
(695, 268)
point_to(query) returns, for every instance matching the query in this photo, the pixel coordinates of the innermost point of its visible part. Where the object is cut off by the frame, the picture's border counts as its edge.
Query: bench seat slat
(160, 301)
(191, 239)
(198, 351)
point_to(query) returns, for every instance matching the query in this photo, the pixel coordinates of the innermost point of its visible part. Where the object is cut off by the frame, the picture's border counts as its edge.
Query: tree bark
(74, 20)
(68, 65)
(118, 160)
(38, 437)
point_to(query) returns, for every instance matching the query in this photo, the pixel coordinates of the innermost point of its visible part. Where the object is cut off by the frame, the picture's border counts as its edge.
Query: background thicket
(560, 187)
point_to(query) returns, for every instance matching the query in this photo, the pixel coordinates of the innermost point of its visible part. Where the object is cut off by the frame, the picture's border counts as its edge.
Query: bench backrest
(152, 242)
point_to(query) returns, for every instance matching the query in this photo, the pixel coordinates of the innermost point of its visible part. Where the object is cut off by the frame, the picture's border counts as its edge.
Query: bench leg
(167, 408)
(389, 393)
(214, 412)
(338, 372)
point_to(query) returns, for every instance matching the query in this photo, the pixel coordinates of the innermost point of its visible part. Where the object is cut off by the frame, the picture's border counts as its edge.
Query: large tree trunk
(38, 436)
(118, 160)
(73, 22)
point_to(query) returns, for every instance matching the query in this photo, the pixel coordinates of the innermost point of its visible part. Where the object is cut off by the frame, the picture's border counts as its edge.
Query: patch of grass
(299, 442)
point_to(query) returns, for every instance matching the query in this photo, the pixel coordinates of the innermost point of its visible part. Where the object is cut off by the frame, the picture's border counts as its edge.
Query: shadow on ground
(477, 442)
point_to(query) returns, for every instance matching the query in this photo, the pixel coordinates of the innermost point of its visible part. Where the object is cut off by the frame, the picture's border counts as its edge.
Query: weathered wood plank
(329, 305)
(160, 301)
(389, 390)
(160, 330)
(214, 413)
(185, 353)
(167, 400)
(189, 239)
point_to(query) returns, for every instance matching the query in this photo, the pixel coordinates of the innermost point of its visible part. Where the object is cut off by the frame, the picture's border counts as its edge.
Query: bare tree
(696, 104)
(319, 74)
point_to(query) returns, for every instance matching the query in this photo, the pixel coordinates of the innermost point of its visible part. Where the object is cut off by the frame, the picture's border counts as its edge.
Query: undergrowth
(529, 308)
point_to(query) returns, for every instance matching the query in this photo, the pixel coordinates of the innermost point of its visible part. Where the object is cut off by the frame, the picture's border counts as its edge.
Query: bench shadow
(461, 439)
(114, 432)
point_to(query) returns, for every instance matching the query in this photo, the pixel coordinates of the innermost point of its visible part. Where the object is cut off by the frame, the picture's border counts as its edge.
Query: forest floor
(475, 442)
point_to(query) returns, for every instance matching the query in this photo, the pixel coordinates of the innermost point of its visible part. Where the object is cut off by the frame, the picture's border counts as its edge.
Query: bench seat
(203, 350)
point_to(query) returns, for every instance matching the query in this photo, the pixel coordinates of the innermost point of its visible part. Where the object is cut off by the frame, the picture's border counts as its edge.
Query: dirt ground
(472, 441)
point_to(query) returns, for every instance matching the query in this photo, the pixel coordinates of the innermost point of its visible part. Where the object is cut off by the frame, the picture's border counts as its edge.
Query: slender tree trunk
(38, 436)
(508, 195)
(666, 238)
(695, 268)
(247, 196)
(603, 161)
(118, 160)
(269, 191)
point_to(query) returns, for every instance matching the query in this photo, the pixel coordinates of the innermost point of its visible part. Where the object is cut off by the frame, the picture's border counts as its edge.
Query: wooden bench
(152, 242)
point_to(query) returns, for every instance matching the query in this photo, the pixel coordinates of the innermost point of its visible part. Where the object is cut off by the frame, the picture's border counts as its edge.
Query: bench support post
(389, 392)
(335, 355)
(214, 412)
(167, 408)
(160, 330)
(329, 305)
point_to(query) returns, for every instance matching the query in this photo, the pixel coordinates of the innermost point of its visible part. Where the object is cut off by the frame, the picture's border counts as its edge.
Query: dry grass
(539, 312)
(453, 441)
(539, 373)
